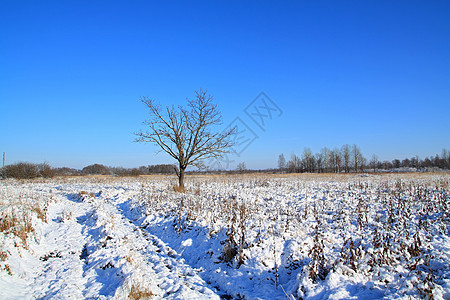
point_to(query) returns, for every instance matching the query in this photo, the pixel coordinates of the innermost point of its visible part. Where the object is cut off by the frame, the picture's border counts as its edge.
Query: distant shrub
(135, 172)
(143, 170)
(21, 170)
(46, 171)
(64, 171)
(96, 169)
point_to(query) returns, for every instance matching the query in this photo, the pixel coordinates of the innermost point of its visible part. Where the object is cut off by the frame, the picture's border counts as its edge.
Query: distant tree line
(338, 160)
(350, 159)
(25, 170)
(162, 169)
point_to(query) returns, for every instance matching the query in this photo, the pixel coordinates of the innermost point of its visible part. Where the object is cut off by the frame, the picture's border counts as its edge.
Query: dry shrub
(229, 252)
(7, 268)
(139, 292)
(83, 195)
(21, 170)
(40, 211)
(317, 266)
(66, 215)
(3, 256)
(96, 169)
(47, 171)
(351, 253)
(18, 223)
(129, 260)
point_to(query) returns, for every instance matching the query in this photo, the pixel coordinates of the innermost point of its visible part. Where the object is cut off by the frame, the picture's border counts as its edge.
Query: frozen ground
(241, 237)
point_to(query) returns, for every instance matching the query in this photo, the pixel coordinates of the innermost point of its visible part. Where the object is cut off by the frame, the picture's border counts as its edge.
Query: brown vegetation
(138, 292)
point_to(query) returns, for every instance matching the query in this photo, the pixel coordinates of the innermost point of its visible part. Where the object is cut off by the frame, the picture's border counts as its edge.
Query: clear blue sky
(371, 73)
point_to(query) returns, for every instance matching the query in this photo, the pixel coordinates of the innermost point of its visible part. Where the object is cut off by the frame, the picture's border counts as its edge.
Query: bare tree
(335, 157)
(345, 150)
(325, 154)
(396, 163)
(374, 162)
(406, 163)
(319, 162)
(294, 165)
(445, 159)
(281, 162)
(355, 155)
(241, 167)
(186, 134)
(308, 160)
(357, 159)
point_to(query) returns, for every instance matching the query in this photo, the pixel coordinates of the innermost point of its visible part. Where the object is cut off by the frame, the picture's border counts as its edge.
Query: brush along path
(48, 265)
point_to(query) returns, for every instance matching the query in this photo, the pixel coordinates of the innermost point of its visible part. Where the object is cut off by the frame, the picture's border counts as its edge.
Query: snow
(230, 237)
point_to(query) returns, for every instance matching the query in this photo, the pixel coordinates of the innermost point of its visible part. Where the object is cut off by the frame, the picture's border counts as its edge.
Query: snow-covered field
(229, 237)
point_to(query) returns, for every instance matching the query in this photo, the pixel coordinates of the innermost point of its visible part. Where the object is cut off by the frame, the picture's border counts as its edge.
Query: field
(358, 236)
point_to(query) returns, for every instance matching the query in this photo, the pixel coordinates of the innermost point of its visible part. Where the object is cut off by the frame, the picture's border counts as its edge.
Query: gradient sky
(371, 73)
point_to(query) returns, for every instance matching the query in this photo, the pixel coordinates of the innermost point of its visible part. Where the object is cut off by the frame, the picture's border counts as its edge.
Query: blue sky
(371, 73)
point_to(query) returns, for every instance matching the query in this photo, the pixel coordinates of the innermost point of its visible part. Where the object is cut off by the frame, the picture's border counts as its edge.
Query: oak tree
(187, 133)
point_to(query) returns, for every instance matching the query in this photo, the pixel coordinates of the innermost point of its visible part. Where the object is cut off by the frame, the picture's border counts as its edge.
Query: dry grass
(17, 222)
(179, 189)
(83, 195)
(139, 292)
(129, 260)
(40, 210)
(3, 256)
(391, 212)
(7, 268)
(66, 215)
(19, 207)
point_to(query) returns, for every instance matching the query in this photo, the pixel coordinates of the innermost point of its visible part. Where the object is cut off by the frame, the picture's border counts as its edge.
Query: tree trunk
(181, 178)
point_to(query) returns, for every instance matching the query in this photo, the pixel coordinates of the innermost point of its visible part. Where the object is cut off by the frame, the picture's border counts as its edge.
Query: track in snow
(89, 249)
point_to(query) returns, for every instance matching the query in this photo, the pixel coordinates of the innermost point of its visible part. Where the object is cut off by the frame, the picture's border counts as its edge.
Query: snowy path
(61, 267)
(89, 250)
(120, 256)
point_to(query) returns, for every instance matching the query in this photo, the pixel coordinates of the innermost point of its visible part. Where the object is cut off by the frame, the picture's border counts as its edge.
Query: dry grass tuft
(129, 260)
(40, 211)
(229, 252)
(179, 189)
(3, 256)
(7, 268)
(83, 195)
(66, 215)
(17, 223)
(138, 292)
